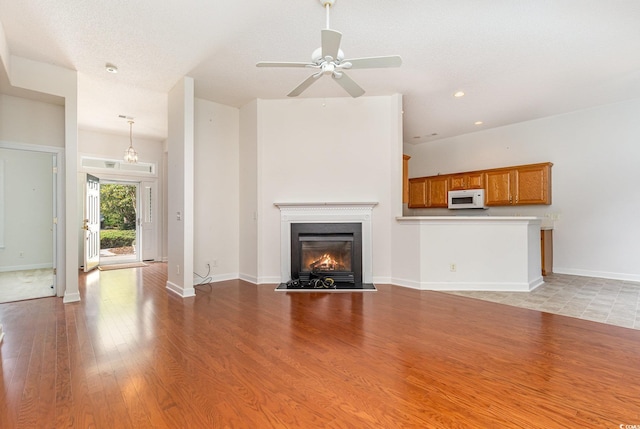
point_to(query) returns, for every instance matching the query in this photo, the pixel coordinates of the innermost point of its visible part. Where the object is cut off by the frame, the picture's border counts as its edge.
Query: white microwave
(467, 199)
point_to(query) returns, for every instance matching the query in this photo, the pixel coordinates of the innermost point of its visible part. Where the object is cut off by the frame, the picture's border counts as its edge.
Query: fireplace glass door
(326, 253)
(320, 250)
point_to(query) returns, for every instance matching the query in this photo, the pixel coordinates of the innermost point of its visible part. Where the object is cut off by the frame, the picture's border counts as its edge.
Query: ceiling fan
(329, 60)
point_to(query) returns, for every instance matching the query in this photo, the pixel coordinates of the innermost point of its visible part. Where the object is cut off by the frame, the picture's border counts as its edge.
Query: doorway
(119, 222)
(28, 184)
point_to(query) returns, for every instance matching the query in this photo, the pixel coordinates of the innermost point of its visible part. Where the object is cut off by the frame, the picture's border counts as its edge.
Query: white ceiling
(515, 59)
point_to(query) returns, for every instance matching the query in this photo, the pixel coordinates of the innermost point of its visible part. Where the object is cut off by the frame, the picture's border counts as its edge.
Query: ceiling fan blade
(282, 64)
(330, 43)
(348, 84)
(374, 62)
(304, 85)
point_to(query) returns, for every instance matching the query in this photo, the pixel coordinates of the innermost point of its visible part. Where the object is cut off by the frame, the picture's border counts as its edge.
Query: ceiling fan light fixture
(130, 154)
(329, 59)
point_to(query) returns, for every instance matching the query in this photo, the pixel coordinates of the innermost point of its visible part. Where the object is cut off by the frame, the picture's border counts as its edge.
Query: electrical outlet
(21, 254)
(452, 268)
(177, 269)
(214, 263)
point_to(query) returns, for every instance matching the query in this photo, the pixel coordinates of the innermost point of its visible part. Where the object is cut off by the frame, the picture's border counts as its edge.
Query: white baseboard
(471, 286)
(71, 297)
(597, 274)
(248, 278)
(181, 292)
(26, 267)
(224, 277)
(406, 283)
(216, 278)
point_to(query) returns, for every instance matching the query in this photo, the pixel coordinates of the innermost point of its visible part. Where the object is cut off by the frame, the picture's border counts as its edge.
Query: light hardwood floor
(132, 355)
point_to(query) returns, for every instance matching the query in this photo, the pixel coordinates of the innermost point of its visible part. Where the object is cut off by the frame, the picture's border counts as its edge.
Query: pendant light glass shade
(130, 155)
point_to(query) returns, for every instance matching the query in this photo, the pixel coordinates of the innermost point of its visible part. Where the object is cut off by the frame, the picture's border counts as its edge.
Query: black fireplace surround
(330, 250)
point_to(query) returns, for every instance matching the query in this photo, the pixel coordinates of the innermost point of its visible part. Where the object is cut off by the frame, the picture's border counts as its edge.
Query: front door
(91, 223)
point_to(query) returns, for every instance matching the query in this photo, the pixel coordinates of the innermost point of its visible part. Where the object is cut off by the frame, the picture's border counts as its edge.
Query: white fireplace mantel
(326, 212)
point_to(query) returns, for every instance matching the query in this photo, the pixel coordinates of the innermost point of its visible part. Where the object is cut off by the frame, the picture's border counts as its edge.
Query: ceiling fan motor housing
(316, 56)
(327, 2)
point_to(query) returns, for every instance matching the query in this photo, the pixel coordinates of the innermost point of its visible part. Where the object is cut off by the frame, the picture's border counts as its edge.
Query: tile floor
(615, 302)
(26, 284)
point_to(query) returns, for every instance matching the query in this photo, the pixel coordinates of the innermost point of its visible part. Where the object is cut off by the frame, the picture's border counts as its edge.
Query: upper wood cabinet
(498, 188)
(533, 184)
(521, 185)
(418, 192)
(437, 191)
(460, 181)
(428, 192)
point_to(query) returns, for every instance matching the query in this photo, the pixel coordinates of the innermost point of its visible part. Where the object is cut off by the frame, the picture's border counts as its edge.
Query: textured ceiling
(515, 59)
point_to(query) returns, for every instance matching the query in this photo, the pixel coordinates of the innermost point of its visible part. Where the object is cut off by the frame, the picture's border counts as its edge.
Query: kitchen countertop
(545, 223)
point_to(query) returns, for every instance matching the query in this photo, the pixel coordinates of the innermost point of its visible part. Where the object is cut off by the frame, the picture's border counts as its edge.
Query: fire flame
(324, 263)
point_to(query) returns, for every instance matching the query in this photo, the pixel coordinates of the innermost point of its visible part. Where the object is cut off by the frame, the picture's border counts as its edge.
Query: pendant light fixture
(130, 155)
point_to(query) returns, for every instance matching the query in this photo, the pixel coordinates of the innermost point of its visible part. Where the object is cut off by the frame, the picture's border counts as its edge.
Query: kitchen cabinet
(462, 181)
(533, 184)
(428, 192)
(498, 191)
(546, 250)
(521, 185)
(437, 191)
(418, 193)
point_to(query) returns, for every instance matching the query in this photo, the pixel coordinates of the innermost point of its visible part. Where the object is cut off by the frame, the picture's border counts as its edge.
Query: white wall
(328, 150)
(112, 146)
(31, 122)
(595, 181)
(180, 188)
(248, 188)
(216, 193)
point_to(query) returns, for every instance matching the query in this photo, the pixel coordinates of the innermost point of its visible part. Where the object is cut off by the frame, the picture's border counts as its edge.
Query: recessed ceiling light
(110, 68)
(478, 123)
(458, 94)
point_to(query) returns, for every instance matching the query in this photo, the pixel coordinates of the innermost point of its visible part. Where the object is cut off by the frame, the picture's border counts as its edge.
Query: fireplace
(339, 225)
(320, 250)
